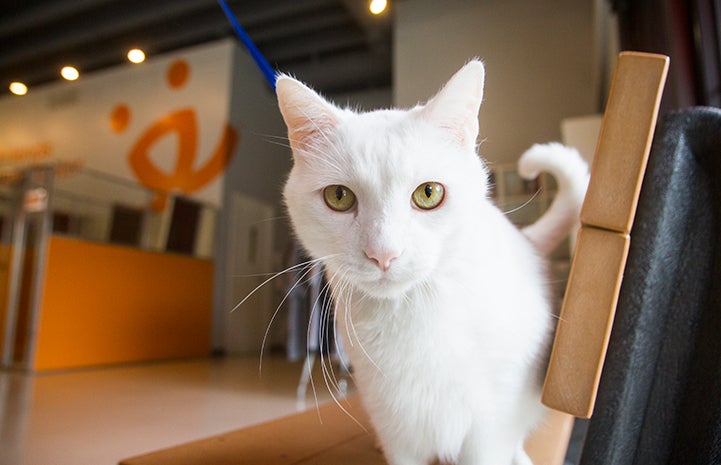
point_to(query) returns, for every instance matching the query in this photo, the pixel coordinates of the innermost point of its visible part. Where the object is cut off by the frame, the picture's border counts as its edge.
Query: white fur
(448, 344)
(571, 173)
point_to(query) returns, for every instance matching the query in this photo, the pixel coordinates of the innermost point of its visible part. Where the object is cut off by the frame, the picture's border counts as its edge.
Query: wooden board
(624, 141)
(585, 322)
(327, 436)
(324, 436)
(619, 165)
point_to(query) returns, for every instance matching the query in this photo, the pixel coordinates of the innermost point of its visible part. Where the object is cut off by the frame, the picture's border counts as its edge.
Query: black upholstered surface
(660, 396)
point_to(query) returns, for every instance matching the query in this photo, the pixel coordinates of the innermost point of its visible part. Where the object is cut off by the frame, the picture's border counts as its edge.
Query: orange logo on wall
(183, 123)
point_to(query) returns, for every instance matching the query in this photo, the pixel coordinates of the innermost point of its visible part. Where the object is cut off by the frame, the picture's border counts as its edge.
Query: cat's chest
(447, 328)
(418, 329)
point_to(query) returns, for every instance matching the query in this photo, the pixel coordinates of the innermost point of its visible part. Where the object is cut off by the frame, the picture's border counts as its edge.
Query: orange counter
(105, 304)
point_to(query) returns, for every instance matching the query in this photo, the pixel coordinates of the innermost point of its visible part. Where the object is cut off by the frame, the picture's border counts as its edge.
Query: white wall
(538, 55)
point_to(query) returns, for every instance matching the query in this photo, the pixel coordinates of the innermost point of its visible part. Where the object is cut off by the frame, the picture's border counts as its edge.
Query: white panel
(72, 121)
(249, 262)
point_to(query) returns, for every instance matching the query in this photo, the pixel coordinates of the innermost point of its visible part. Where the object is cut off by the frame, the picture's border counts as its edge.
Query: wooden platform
(325, 436)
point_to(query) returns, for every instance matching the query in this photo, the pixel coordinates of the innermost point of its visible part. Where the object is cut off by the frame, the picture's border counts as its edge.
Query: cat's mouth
(390, 283)
(393, 282)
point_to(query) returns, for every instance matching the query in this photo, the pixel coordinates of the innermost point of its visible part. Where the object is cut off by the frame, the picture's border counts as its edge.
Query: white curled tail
(571, 174)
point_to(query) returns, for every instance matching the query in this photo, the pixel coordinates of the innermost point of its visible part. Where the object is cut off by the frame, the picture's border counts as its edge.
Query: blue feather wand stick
(258, 57)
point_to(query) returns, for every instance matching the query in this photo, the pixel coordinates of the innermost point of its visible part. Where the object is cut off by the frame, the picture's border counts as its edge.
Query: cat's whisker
(347, 314)
(273, 218)
(363, 349)
(525, 204)
(308, 338)
(325, 321)
(346, 297)
(346, 311)
(340, 349)
(271, 136)
(283, 141)
(330, 377)
(336, 298)
(427, 289)
(338, 342)
(331, 381)
(341, 290)
(275, 275)
(285, 145)
(308, 356)
(302, 277)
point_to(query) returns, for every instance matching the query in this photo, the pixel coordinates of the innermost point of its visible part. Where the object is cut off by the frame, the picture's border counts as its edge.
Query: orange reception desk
(105, 304)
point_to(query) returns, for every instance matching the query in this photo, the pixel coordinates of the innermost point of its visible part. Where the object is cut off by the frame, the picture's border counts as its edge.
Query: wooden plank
(549, 442)
(302, 439)
(360, 450)
(624, 141)
(607, 216)
(291, 440)
(584, 326)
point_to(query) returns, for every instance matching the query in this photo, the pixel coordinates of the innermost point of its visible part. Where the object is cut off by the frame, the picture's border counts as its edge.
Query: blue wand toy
(258, 57)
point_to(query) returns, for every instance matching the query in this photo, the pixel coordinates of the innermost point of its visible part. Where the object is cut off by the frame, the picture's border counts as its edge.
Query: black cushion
(659, 401)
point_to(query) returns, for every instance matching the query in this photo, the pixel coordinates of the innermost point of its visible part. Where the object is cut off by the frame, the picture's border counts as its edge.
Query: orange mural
(28, 153)
(182, 123)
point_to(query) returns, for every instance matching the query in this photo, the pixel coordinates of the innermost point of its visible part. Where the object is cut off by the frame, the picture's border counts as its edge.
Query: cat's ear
(455, 108)
(306, 114)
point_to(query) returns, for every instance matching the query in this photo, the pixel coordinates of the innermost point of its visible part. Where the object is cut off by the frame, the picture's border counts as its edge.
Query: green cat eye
(339, 198)
(428, 195)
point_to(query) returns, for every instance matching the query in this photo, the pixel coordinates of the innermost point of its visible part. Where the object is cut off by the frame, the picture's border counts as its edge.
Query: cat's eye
(339, 198)
(428, 195)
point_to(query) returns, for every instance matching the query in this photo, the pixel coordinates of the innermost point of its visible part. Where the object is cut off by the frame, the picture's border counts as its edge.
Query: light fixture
(136, 56)
(70, 73)
(18, 88)
(377, 6)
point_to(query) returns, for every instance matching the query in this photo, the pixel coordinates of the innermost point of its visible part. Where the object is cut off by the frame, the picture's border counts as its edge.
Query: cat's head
(383, 195)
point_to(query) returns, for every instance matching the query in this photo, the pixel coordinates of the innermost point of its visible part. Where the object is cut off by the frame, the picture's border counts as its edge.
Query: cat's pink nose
(382, 259)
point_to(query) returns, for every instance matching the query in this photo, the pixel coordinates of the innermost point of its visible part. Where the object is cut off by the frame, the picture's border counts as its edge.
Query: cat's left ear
(306, 114)
(455, 108)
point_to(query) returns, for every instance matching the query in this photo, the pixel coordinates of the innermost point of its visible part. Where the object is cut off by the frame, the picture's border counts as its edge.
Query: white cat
(442, 302)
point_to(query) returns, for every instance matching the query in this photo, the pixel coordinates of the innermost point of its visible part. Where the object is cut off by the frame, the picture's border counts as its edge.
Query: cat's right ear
(306, 114)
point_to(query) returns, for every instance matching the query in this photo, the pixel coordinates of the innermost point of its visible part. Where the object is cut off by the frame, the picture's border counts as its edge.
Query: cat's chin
(385, 288)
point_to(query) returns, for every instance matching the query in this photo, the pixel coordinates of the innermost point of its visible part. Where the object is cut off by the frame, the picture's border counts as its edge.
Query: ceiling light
(18, 88)
(377, 6)
(70, 73)
(136, 56)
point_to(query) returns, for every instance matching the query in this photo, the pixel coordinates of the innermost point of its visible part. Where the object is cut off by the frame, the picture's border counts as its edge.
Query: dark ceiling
(335, 45)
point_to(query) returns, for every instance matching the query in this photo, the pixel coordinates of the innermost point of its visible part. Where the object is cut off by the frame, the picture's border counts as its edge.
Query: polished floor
(99, 416)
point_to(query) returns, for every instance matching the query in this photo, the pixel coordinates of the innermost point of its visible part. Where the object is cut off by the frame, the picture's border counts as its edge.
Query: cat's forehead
(380, 131)
(375, 121)
(389, 147)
